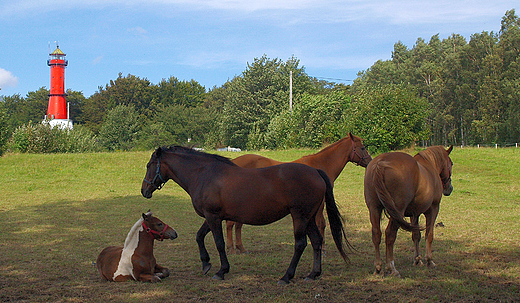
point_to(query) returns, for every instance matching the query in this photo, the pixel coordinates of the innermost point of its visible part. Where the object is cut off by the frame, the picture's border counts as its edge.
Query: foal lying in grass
(135, 261)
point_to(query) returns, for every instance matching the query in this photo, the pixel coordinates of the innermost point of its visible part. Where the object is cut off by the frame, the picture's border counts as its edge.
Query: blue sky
(212, 41)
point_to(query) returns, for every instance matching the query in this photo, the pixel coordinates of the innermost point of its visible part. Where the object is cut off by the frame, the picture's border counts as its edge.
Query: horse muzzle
(365, 161)
(146, 193)
(448, 188)
(171, 234)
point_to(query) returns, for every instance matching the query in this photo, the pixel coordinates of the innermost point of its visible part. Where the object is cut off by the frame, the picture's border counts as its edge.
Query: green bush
(42, 138)
(388, 117)
(315, 119)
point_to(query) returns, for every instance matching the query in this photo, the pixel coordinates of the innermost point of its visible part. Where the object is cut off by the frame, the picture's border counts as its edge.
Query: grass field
(58, 211)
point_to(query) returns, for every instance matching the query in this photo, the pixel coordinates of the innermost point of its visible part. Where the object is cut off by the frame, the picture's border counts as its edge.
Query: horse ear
(147, 215)
(351, 136)
(158, 151)
(450, 149)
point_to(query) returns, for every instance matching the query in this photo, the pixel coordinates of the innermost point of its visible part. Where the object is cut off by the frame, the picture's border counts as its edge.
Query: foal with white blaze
(135, 261)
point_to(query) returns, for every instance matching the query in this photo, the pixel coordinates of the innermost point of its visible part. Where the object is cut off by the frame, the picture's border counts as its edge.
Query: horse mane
(135, 229)
(190, 151)
(325, 149)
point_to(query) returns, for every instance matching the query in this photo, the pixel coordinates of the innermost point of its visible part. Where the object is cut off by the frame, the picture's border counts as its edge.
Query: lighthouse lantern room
(57, 110)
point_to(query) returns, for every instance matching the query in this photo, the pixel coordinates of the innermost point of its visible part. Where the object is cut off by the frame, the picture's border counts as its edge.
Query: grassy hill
(58, 211)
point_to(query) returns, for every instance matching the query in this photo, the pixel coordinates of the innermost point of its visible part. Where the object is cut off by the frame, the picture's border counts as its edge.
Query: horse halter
(361, 159)
(157, 176)
(152, 232)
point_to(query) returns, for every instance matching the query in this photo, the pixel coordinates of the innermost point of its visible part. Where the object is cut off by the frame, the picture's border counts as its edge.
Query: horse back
(391, 178)
(254, 161)
(271, 191)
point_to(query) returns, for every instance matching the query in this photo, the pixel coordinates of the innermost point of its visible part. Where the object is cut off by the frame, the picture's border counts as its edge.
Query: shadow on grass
(47, 253)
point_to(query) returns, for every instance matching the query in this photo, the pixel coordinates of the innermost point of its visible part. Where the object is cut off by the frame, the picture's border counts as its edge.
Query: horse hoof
(155, 279)
(206, 268)
(217, 277)
(393, 274)
(282, 282)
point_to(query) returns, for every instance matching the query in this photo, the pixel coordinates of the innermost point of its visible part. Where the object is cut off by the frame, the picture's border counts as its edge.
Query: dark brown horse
(406, 186)
(221, 190)
(135, 261)
(332, 159)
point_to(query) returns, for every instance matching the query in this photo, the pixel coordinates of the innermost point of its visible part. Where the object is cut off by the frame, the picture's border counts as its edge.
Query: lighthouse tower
(57, 111)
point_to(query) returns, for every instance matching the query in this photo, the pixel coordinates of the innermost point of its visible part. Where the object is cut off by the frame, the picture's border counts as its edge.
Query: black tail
(335, 219)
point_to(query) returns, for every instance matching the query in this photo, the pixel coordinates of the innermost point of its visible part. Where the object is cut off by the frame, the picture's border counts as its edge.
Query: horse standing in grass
(406, 186)
(135, 261)
(221, 190)
(332, 159)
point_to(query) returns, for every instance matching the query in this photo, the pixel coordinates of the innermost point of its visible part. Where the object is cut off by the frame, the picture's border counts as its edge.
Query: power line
(334, 79)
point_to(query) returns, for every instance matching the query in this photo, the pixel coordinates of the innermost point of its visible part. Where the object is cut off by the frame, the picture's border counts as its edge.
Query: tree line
(449, 91)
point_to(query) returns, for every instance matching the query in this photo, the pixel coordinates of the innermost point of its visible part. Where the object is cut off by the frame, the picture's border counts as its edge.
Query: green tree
(314, 121)
(5, 134)
(257, 96)
(388, 117)
(175, 92)
(120, 128)
(77, 102)
(16, 111)
(177, 124)
(129, 90)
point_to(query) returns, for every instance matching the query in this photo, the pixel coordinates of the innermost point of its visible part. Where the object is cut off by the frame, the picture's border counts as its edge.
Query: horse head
(359, 155)
(157, 228)
(153, 179)
(445, 174)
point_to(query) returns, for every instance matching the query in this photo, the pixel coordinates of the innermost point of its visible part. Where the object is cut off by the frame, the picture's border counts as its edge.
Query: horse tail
(336, 220)
(386, 199)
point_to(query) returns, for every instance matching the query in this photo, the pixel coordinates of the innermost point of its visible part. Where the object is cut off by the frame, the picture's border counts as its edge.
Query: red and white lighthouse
(57, 110)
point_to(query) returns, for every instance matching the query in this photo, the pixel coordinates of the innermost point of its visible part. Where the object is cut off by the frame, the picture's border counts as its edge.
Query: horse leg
(431, 215)
(316, 242)
(238, 237)
(300, 242)
(148, 278)
(161, 272)
(215, 225)
(320, 222)
(416, 238)
(375, 220)
(229, 236)
(390, 236)
(204, 256)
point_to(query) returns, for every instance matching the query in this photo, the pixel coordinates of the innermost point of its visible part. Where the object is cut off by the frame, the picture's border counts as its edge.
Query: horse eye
(160, 224)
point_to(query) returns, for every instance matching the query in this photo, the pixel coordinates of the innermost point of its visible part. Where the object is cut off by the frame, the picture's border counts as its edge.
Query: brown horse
(218, 189)
(406, 186)
(135, 261)
(332, 159)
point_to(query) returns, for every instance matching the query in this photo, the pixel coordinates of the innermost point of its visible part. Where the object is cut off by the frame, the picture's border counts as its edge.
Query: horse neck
(138, 239)
(187, 172)
(332, 159)
(145, 246)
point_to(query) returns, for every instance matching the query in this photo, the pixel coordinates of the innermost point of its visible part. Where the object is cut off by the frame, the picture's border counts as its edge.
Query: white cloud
(98, 59)
(7, 79)
(138, 31)
(398, 11)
